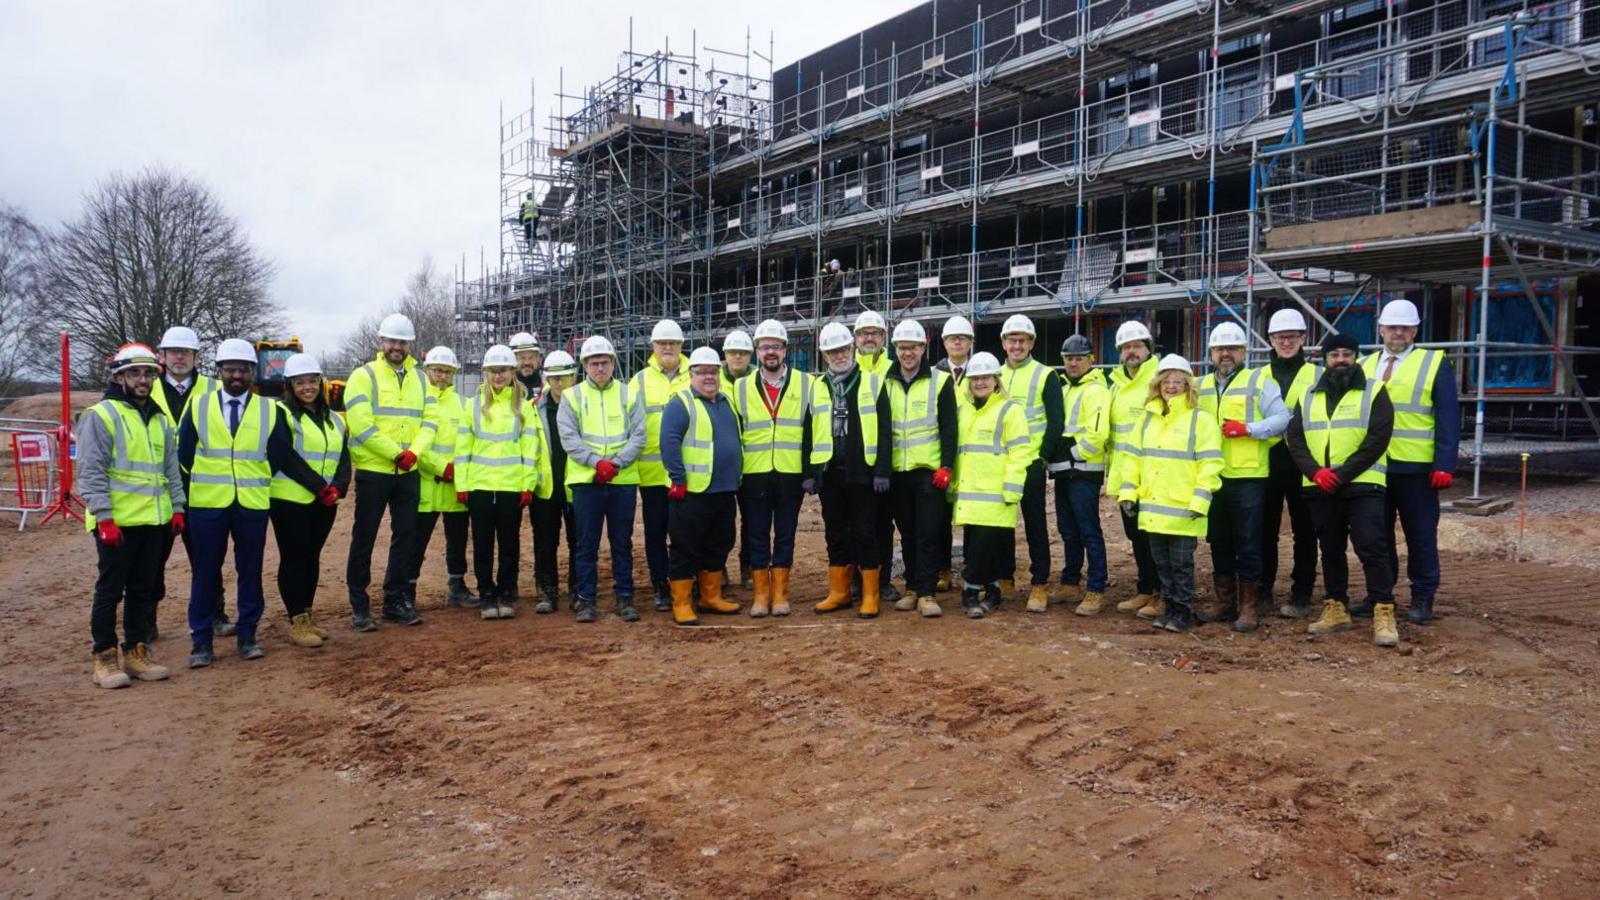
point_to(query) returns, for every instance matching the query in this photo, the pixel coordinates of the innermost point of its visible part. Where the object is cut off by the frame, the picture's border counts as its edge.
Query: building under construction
(1085, 163)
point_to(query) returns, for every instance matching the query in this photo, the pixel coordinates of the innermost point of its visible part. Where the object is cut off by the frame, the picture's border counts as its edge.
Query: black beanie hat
(1340, 342)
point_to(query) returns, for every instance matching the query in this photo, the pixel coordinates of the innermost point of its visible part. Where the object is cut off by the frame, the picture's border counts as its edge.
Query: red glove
(1441, 480)
(1235, 429)
(405, 460)
(328, 496)
(677, 492)
(449, 472)
(941, 478)
(604, 471)
(179, 523)
(526, 499)
(461, 496)
(110, 534)
(1327, 480)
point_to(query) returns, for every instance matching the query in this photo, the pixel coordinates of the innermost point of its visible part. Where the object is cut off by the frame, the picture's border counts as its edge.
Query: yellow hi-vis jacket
(387, 415)
(201, 386)
(879, 365)
(1174, 468)
(496, 444)
(1304, 380)
(603, 418)
(914, 419)
(992, 462)
(699, 443)
(651, 386)
(1411, 392)
(320, 444)
(1025, 384)
(1331, 441)
(1241, 401)
(1128, 396)
(232, 466)
(440, 496)
(1088, 420)
(136, 469)
(775, 444)
(868, 386)
(544, 485)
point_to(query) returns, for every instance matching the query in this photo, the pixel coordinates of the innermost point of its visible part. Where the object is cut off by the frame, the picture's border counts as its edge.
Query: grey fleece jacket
(96, 449)
(572, 435)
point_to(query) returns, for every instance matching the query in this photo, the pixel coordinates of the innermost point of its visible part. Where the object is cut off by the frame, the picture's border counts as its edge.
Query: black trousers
(375, 494)
(947, 535)
(301, 530)
(918, 509)
(496, 519)
(884, 535)
(1359, 520)
(769, 513)
(746, 542)
(455, 542)
(849, 522)
(701, 530)
(547, 518)
(1035, 526)
(1144, 560)
(1284, 488)
(988, 554)
(130, 574)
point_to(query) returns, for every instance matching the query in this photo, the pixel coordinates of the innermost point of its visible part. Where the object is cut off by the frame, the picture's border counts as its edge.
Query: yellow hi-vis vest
(200, 386)
(387, 415)
(992, 462)
(1025, 384)
(603, 424)
(232, 467)
(1176, 466)
(730, 383)
(319, 444)
(652, 386)
(878, 366)
(137, 472)
(545, 478)
(440, 496)
(1128, 397)
(1242, 457)
(1411, 392)
(774, 444)
(1088, 420)
(699, 443)
(1332, 440)
(494, 451)
(914, 418)
(867, 388)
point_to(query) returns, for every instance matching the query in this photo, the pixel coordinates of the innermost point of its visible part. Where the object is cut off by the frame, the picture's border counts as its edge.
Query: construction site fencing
(29, 467)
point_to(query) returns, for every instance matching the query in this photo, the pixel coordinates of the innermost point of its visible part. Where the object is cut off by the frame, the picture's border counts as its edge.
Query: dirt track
(1017, 756)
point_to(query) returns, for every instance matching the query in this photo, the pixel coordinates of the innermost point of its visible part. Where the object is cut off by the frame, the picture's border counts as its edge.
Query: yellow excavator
(271, 355)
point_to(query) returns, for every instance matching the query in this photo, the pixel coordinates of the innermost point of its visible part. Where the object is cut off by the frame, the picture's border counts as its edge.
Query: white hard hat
(1172, 362)
(441, 356)
(909, 331)
(773, 329)
(869, 319)
(596, 345)
(236, 350)
(1130, 331)
(983, 363)
(1227, 334)
(134, 356)
(666, 330)
(179, 337)
(833, 336)
(396, 327)
(958, 326)
(560, 362)
(522, 340)
(1286, 320)
(1018, 324)
(301, 364)
(500, 355)
(1399, 312)
(704, 356)
(737, 340)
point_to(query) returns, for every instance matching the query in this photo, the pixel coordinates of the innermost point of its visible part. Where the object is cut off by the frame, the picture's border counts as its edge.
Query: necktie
(1388, 369)
(182, 388)
(233, 416)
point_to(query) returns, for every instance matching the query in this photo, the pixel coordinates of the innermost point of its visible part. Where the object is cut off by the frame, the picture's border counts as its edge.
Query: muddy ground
(820, 757)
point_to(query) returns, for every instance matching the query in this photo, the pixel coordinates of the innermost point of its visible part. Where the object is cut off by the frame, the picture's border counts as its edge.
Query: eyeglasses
(771, 348)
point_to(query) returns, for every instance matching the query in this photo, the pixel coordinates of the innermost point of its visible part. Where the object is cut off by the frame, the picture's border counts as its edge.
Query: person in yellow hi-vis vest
(437, 499)
(956, 335)
(1173, 470)
(551, 512)
(130, 484)
(922, 416)
(1037, 387)
(601, 425)
(231, 443)
(302, 519)
(700, 447)
(870, 334)
(1295, 374)
(179, 385)
(1130, 384)
(992, 460)
(1086, 434)
(392, 420)
(663, 376)
(497, 471)
(737, 350)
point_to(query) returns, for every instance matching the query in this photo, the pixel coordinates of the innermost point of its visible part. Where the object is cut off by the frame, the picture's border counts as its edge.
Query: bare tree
(24, 345)
(152, 251)
(426, 301)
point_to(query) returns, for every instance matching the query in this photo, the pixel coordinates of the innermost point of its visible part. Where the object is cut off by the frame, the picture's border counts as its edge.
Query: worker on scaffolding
(1130, 385)
(1080, 475)
(957, 337)
(1248, 408)
(1422, 453)
(529, 217)
(1037, 387)
(530, 356)
(736, 352)
(922, 418)
(871, 335)
(663, 375)
(1295, 375)
(601, 426)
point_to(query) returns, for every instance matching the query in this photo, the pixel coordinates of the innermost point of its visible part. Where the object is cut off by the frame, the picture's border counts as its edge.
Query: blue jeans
(1174, 556)
(613, 506)
(771, 513)
(1234, 529)
(209, 530)
(1410, 497)
(1078, 520)
(656, 522)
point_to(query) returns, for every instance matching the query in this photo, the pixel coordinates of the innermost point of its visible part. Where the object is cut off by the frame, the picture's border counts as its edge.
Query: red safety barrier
(64, 498)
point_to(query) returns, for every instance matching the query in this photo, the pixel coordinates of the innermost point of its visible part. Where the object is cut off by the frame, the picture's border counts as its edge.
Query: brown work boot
(1249, 606)
(1066, 593)
(1135, 603)
(316, 629)
(711, 595)
(683, 601)
(108, 670)
(780, 590)
(1092, 603)
(838, 590)
(944, 582)
(907, 601)
(869, 594)
(1223, 604)
(138, 664)
(1038, 598)
(300, 632)
(1008, 586)
(929, 607)
(762, 604)
(1153, 610)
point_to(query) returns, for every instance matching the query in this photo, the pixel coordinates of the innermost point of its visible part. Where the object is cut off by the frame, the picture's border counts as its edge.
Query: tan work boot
(838, 590)
(1008, 586)
(300, 632)
(1249, 608)
(869, 594)
(1385, 633)
(138, 664)
(1223, 604)
(1135, 603)
(1334, 618)
(1155, 609)
(1038, 598)
(780, 591)
(711, 595)
(929, 607)
(108, 670)
(1092, 603)
(943, 584)
(907, 601)
(762, 604)
(683, 601)
(316, 629)
(1066, 593)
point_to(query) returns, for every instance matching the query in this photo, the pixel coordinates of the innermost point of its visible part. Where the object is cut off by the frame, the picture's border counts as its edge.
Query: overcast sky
(351, 140)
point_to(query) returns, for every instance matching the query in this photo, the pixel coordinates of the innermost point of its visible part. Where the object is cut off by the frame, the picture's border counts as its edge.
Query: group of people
(720, 450)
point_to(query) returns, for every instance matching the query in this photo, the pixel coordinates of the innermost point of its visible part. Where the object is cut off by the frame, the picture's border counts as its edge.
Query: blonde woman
(1174, 468)
(994, 452)
(497, 471)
